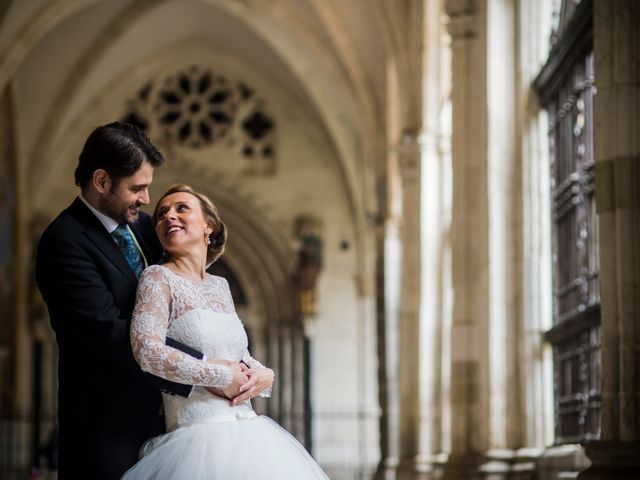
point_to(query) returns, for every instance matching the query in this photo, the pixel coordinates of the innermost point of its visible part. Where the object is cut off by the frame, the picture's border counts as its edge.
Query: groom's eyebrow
(139, 186)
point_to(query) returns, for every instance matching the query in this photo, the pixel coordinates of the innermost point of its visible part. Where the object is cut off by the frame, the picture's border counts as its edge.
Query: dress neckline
(184, 277)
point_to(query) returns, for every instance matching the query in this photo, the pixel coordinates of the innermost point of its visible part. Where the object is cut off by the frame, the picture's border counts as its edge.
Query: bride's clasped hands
(247, 383)
(258, 381)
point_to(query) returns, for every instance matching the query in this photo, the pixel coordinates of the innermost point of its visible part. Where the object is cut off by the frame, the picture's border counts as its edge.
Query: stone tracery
(197, 108)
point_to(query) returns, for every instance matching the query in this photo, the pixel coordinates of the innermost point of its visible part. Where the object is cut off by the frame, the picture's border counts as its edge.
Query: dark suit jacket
(107, 406)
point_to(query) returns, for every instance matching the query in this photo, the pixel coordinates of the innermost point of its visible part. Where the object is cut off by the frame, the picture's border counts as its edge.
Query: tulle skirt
(250, 449)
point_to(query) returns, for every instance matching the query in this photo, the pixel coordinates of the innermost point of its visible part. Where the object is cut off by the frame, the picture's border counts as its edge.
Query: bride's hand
(259, 380)
(240, 378)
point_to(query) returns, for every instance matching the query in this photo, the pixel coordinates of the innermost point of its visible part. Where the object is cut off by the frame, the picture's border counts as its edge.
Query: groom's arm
(173, 388)
(184, 348)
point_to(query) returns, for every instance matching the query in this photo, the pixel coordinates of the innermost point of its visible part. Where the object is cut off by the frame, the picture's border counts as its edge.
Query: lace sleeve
(251, 362)
(148, 335)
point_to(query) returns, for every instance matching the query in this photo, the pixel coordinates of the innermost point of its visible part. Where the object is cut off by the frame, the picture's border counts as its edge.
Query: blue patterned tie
(129, 249)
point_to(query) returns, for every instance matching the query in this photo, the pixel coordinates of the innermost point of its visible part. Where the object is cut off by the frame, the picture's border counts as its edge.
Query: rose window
(196, 108)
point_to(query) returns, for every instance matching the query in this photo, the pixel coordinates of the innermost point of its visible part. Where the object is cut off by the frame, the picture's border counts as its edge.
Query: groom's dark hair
(119, 149)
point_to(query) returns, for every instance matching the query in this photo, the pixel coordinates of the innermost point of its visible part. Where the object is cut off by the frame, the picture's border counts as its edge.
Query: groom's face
(128, 194)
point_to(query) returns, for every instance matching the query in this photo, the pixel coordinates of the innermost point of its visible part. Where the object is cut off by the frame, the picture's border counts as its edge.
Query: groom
(87, 268)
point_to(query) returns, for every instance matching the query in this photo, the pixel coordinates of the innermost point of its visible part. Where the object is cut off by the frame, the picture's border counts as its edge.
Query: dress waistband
(234, 417)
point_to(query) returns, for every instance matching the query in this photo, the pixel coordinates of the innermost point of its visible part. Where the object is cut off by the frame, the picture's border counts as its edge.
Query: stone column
(500, 387)
(617, 156)
(534, 361)
(20, 351)
(272, 330)
(468, 423)
(7, 289)
(435, 142)
(298, 375)
(286, 377)
(387, 285)
(409, 367)
(259, 349)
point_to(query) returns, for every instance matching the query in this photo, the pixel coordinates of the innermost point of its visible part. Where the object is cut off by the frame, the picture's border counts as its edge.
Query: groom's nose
(143, 198)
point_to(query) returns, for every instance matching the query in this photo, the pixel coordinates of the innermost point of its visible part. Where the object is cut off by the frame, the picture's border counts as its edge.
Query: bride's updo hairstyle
(218, 237)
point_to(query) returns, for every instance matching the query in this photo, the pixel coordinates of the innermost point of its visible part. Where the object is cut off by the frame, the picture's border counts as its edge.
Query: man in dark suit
(88, 263)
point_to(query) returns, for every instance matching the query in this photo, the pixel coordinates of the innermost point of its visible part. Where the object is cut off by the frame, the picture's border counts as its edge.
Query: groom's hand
(240, 378)
(216, 391)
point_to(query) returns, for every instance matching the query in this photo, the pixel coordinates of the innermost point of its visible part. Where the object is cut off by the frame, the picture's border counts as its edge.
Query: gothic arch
(344, 115)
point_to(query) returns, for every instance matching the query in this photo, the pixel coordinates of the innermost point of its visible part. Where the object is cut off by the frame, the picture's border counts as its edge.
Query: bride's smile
(181, 223)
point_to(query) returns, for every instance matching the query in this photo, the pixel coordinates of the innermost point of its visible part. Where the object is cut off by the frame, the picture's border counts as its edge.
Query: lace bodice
(199, 314)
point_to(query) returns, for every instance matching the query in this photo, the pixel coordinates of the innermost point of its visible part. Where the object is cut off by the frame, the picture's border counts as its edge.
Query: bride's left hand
(259, 380)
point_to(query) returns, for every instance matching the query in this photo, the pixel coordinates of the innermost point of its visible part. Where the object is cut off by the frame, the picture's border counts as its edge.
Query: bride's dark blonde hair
(218, 236)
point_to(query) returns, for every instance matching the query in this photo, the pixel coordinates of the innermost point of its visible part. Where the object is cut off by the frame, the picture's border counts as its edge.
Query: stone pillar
(500, 387)
(19, 354)
(258, 346)
(468, 423)
(8, 335)
(409, 367)
(388, 302)
(617, 156)
(286, 377)
(534, 360)
(274, 405)
(298, 375)
(435, 193)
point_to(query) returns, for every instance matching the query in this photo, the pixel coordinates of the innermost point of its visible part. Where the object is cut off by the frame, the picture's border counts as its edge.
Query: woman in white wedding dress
(208, 436)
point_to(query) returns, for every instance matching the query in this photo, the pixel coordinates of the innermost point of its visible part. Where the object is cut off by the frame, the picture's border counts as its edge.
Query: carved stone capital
(456, 8)
(461, 18)
(409, 152)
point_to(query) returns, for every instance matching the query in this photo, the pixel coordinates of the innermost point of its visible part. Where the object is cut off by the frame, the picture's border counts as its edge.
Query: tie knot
(121, 229)
(122, 234)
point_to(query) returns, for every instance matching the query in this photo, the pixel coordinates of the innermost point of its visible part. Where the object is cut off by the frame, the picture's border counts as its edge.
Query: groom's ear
(101, 181)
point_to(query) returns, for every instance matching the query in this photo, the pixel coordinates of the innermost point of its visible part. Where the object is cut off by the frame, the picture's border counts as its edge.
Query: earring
(208, 240)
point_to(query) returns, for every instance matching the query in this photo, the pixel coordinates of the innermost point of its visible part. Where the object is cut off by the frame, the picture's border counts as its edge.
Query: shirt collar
(109, 223)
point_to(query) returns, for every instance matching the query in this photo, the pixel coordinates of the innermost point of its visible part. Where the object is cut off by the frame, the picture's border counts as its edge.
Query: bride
(208, 436)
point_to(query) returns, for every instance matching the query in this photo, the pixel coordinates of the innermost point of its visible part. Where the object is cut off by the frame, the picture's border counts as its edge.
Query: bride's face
(181, 226)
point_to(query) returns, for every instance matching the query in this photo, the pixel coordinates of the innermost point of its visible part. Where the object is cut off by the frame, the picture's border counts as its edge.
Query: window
(566, 89)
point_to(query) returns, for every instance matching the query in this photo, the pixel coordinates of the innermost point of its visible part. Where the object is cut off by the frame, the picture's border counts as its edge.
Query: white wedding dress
(206, 437)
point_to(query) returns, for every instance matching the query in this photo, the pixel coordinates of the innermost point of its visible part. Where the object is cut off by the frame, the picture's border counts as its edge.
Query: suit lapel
(96, 232)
